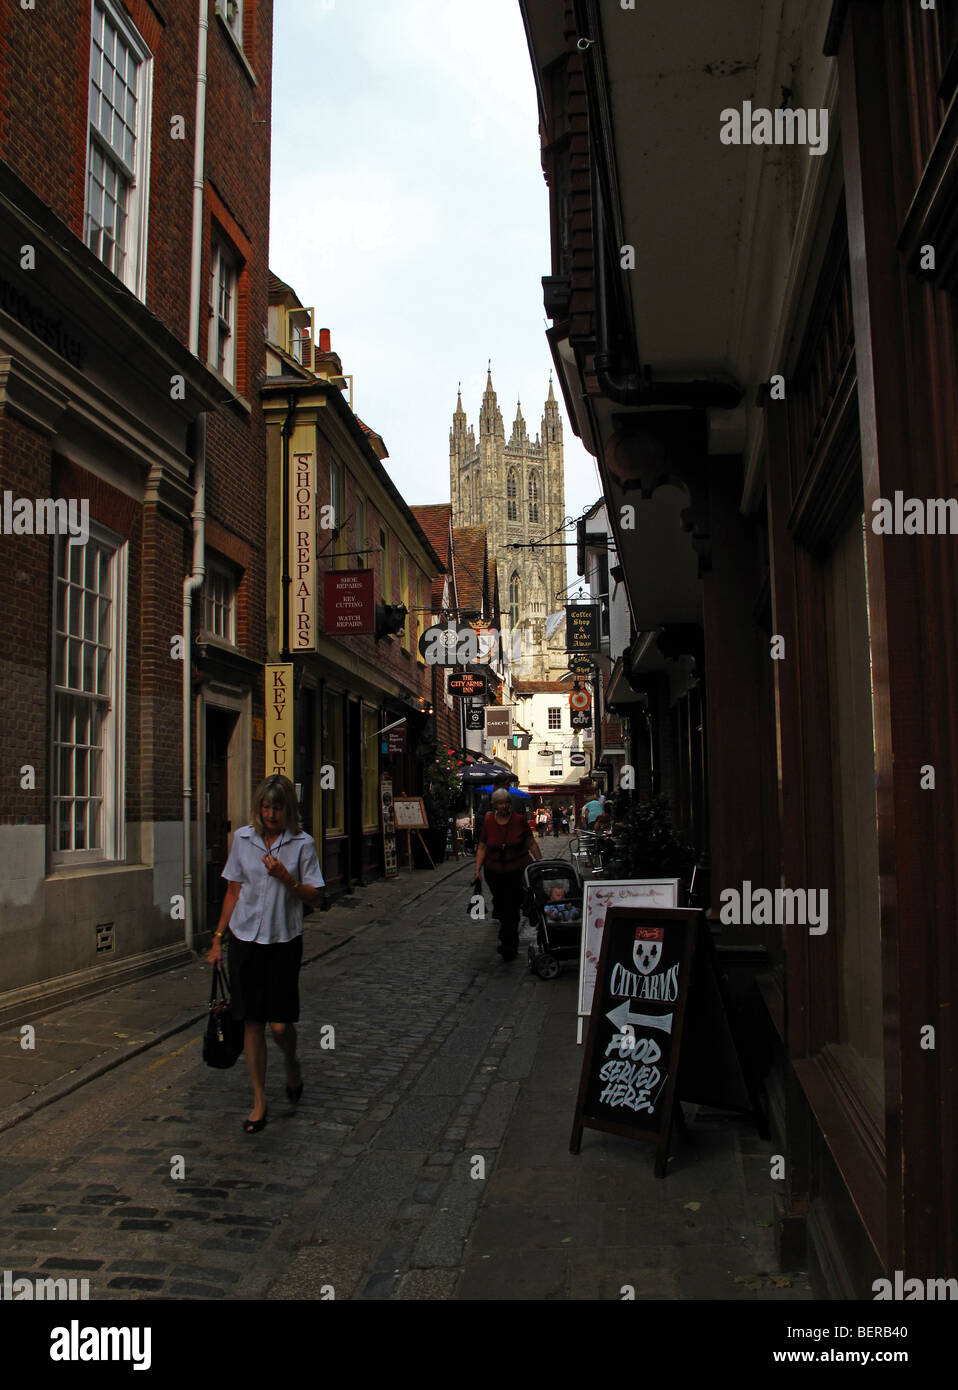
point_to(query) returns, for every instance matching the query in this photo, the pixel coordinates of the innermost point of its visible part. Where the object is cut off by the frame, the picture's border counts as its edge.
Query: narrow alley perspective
(478, 673)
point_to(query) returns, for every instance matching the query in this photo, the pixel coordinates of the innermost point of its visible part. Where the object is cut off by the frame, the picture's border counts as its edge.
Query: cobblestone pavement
(427, 1160)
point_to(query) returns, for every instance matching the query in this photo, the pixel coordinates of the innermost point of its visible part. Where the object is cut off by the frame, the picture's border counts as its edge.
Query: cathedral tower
(516, 489)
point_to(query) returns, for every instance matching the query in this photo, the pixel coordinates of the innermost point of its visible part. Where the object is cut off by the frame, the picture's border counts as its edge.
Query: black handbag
(225, 1034)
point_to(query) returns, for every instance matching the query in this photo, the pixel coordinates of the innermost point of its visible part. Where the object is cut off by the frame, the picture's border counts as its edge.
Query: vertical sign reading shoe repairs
(279, 721)
(302, 552)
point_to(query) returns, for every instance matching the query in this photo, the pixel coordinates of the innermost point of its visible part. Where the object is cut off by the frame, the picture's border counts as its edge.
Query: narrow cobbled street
(428, 1158)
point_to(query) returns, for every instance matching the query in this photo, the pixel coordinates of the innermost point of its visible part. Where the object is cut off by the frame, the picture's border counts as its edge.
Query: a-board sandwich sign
(598, 897)
(632, 1052)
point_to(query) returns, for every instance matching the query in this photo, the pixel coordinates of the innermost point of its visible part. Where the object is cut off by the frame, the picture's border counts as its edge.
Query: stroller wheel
(546, 967)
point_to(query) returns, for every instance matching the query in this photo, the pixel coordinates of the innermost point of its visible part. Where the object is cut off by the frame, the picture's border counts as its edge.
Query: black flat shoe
(254, 1126)
(294, 1093)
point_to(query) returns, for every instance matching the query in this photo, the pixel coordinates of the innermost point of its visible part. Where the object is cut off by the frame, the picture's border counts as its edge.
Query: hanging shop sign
(475, 717)
(580, 699)
(581, 719)
(394, 739)
(577, 759)
(498, 721)
(279, 721)
(464, 683)
(302, 552)
(449, 645)
(582, 627)
(580, 664)
(349, 606)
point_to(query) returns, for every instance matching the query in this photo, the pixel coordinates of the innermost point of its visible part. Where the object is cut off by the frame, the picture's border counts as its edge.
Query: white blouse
(266, 911)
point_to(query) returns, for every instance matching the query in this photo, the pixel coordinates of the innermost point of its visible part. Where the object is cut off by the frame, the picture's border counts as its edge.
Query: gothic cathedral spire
(515, 488)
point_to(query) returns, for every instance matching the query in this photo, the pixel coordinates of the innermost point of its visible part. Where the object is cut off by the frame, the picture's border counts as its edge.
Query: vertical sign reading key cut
(279, 721)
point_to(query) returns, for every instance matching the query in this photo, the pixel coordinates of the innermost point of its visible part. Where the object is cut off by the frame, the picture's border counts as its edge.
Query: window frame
(406, 639)
(554, 710)
(234, 26)
(534, 496)
(112, 848)
(334, 798)
(137, 174)
(219, 568)
(515, 582)
(512, 495)
(370, 720)
(222, 251)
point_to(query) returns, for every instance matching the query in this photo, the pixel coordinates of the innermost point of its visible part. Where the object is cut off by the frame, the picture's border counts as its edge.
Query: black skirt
(264, 980)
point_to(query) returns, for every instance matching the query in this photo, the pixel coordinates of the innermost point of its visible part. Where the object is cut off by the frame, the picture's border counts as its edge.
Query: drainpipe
(195, 579)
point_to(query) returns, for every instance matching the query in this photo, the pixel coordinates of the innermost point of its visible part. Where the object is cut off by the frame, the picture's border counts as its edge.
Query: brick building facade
(130, 345)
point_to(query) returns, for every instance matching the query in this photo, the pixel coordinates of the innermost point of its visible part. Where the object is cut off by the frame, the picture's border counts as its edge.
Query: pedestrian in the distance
(272, 871)
(556, 822)
(506, 845)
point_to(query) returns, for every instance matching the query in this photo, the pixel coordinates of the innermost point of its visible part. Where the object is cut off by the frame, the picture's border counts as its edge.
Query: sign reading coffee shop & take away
(582, 627)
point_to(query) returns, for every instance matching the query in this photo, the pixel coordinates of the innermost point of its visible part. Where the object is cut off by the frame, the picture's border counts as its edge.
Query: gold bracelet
(216, 934)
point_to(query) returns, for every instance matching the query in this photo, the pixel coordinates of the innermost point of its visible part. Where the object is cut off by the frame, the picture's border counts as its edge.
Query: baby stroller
(557, 919)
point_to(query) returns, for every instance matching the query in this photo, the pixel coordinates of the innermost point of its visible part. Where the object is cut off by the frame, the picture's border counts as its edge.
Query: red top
(507, 846)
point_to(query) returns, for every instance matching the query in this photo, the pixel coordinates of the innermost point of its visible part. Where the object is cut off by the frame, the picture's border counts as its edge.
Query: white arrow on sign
(620, 1016)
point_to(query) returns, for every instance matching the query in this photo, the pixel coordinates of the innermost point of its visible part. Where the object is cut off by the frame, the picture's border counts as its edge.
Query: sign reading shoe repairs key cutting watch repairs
(348, 604)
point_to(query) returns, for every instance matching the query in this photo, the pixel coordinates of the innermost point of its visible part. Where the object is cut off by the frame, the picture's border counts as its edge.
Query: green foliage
(647, 845)
(442, 784)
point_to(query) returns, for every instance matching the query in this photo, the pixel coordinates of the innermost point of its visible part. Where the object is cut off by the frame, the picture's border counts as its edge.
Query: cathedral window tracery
(514, 596)
(512, 491)
(534, 497)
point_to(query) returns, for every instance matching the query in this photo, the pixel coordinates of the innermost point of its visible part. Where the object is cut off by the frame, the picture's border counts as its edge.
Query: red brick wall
(44, 77)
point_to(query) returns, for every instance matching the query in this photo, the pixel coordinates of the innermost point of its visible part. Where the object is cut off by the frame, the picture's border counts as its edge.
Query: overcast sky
(409, 207)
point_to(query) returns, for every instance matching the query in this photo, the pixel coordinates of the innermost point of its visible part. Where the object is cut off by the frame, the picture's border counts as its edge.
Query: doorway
(220, 724)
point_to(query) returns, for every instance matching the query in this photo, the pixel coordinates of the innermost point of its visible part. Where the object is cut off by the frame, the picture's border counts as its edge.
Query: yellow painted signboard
(279, 721)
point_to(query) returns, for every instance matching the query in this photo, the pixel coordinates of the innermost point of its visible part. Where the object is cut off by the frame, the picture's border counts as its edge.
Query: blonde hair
(276, 791)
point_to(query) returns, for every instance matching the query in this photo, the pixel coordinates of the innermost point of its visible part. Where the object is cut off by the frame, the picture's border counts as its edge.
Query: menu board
(631, 1058)
(598, 897)
(410, 813)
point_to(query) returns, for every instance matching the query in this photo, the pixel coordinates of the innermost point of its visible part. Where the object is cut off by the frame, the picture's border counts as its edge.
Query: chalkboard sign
(631, 1058)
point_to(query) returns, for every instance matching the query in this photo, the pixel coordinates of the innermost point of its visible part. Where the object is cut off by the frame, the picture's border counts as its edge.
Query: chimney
(327, 362)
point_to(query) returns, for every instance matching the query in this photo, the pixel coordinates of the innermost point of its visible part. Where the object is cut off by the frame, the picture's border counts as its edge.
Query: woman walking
(506, 845)
(272, 871)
